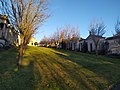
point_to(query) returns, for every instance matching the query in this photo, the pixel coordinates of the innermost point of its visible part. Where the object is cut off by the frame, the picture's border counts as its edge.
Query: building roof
(81, 39)
(114, 37)
(95, 36)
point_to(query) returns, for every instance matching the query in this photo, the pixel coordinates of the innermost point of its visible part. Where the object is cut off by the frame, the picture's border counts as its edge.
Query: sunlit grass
(55, 69)
(73, 70)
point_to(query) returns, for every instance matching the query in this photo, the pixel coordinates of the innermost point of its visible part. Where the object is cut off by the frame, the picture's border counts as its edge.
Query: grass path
(49, 69)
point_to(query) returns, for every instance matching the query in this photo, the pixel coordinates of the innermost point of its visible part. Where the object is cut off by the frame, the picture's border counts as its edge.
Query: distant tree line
(61, 35)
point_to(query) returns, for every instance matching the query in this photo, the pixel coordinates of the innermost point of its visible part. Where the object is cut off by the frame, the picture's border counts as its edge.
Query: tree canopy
(26, 16)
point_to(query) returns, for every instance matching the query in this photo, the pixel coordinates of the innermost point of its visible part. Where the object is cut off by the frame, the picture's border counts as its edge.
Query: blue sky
(80, 13)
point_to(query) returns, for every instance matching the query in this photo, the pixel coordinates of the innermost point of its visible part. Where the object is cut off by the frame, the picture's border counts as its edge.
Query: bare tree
(117, 31)
(44, 41)
(66, 32)
(69, 31)
(97, 30)
(26, 16)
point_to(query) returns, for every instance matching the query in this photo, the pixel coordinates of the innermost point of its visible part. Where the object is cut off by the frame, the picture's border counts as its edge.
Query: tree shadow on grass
(101, 65)
(55, 72)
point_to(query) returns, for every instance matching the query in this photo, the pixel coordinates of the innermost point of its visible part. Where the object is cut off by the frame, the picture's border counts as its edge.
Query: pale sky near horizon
(80, 13)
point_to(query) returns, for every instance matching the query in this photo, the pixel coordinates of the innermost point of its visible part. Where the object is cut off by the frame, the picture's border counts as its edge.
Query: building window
(1, 25)
(91, 47)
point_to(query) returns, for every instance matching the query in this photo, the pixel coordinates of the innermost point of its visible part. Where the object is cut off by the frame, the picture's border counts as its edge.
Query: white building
(114, 45)
(90, 44)
(32, 42)
(8, 35)
(81, 44)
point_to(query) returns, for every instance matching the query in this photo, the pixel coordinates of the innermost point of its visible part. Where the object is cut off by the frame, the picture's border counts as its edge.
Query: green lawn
(54, 69)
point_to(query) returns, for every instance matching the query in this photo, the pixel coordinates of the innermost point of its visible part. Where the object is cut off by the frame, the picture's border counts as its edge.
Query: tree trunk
(20, 54)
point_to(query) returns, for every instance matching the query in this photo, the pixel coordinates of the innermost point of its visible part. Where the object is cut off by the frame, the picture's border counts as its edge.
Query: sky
(80, 13)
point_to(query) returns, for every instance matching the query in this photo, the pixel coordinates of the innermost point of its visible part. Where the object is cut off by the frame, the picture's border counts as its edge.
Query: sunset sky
(80, 13)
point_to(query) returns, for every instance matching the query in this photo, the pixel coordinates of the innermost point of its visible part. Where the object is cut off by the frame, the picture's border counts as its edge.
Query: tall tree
(97, 30)
(26, 16)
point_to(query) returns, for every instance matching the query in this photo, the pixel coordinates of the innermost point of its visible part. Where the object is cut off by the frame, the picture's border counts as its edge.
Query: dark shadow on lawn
(10, 77)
